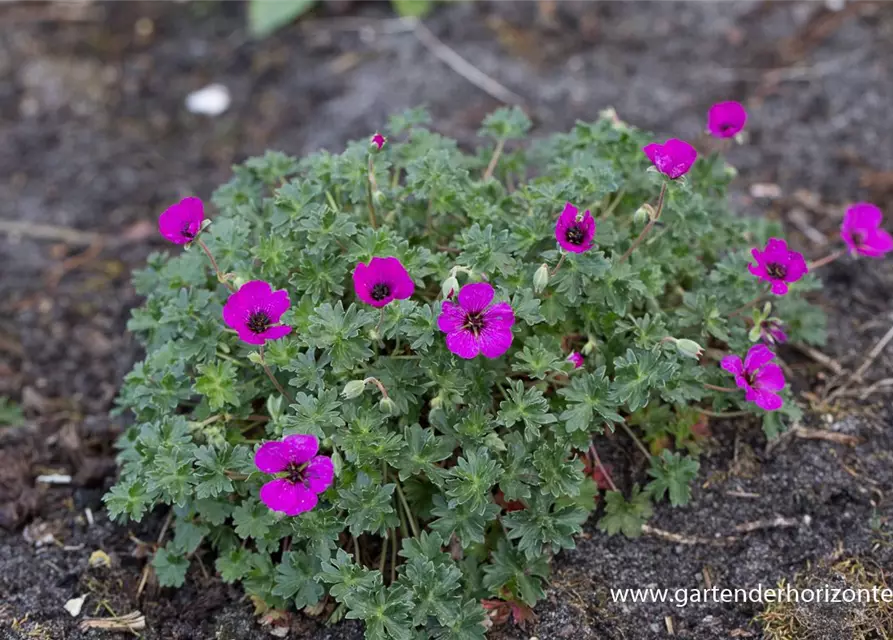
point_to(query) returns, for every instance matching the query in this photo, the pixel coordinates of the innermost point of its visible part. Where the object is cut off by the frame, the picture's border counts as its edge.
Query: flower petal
(475, 297)
(272, 457)
(495, 340)
(765, 400)
(770, 378)
(291, 499)
(451, 318)
(726, 119)
(876, 243)
(247, 335)
(301, 447)
(732, 364)
(796, 267)
(463, 343)
(757, 356)
(319, 473)
(500, 315)
(862, 215)
(277, 304)
(779, 287)
(274, 333)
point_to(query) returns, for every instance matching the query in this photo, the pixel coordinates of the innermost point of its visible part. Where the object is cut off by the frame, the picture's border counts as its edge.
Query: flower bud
(378, 197)
(589, 347)
(643, 214)
(254, 357)
(449, 286)
(353, 389)
(541, 278)
(689, 348)
(237, 281)
(388, 406)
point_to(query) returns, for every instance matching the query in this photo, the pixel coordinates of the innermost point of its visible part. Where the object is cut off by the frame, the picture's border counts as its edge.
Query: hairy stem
(500, 144)
(409, 516)
(373, 187)
(263, 363)
(377, 383)
(208, 253)
(649, 226)
(713, 387)
(724, 414)
(635, 438)
(558, 266)
(831, 257)
(598, 461)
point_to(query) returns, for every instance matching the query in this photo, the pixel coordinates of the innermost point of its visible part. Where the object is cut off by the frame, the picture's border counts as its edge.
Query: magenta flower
(305, 474)
(672, 158)
(778, 265)
(757, 377)
(180, 223)
(861, 230)
(254, 311)
(382, 280)
(772, 331)
(378, 140)
(726, 119)
(576, 358)
(473, 326)
(574, 231)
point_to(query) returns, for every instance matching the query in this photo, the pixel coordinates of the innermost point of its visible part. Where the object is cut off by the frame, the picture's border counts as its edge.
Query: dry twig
(133, 621)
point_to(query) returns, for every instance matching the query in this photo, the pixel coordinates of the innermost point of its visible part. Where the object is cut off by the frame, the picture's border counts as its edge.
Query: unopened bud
(541, 278)
(353, 389)
(449, 286)
(254, 357)
(377, 197)
(388, 406)
(374, 334)
(689, 348)
(643, 214)
(589, 347)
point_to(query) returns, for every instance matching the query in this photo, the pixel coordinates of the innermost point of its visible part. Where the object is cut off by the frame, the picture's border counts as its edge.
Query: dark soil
(96, 139)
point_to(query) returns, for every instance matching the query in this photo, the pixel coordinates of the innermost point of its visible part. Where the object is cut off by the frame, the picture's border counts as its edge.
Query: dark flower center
(295, 473)
(776, 271)
(380, 291)
(750, 377)
(857, 238)
(474, 322)
(575, 235)
(187, 233)
(726, 126)
(259, 321)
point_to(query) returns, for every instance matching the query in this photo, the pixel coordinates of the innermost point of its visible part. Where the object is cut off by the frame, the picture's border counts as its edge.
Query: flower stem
(613, 205)
(356, 550)
(494, 160)
(558, 266)
(384, 550)
(208, 253)
(272, 378)
(409, 516)
(713, 387)
(598, 461)
(635, 438)
(377, 383)
(746, 305)
(649, 226)
(831, 257)
(373, 187)
(724, 414)
(393, 557)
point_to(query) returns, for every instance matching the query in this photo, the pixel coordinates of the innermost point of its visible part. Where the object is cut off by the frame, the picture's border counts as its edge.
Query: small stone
(212, 100)
(74, 606)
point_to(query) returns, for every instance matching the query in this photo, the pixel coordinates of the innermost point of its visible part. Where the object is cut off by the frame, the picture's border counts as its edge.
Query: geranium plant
(375, 382)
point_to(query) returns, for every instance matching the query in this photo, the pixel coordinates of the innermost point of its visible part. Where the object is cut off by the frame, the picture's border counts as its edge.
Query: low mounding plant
(375, 384)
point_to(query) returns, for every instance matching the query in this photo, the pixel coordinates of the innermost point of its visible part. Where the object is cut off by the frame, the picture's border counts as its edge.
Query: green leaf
(520, 575)
(10, 413)
(252, 519)
(527, 406)
(672, 473)
(561, 473)
(295, 579)
(266, 16)
(217, 383)
(412, 8)
(589, 403)
(369, 507)
(627, 517)
(170, 567)
(468, 525)
(636, 375)
(544, 527)
(188, 535)
(471, 479)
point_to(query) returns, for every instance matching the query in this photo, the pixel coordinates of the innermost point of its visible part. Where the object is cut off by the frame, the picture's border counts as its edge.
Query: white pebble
(74, 606)
(209, 101)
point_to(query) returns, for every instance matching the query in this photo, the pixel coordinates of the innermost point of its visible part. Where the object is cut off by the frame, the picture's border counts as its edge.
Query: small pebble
(74, 606)
(212, 100)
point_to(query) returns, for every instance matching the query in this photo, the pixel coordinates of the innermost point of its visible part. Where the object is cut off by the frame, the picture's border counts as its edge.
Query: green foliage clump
(464, 484)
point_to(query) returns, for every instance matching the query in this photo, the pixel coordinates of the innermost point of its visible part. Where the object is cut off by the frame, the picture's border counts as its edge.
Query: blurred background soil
(95, 141)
